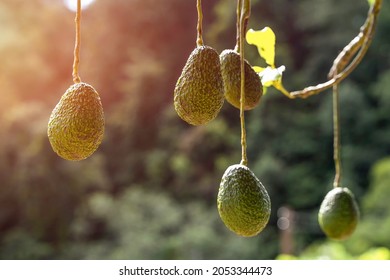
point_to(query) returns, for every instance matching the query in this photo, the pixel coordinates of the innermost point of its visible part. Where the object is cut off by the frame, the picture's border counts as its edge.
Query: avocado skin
(243, 202)
(199, 91)
(231, 74)
(339, 214)
(76, 124)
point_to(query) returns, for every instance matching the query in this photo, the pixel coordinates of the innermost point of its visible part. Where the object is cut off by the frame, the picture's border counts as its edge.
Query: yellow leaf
(258, 69)
(264, 40)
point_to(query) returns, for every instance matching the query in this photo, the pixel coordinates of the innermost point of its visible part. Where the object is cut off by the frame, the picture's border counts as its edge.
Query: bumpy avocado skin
(76, 125)
(339, 214)
(199, 92)
(231, 74)
(243, 202)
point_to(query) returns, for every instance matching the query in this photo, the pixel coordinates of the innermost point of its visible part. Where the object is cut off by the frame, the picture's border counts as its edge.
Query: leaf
(258, 69)
(264, 40)
(371, 2)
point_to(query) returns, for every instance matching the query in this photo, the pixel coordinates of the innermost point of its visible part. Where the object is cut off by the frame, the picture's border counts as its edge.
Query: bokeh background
(149, 192)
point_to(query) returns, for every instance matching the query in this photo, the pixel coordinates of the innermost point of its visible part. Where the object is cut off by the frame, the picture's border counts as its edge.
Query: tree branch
(340, 65)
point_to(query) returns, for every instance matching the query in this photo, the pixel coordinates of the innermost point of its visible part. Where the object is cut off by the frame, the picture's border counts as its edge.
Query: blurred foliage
(375, 224)
(335, 251)
(146, 225)
(150, 190)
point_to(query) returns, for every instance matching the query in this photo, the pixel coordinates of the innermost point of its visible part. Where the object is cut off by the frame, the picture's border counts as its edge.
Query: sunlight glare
(72, 4)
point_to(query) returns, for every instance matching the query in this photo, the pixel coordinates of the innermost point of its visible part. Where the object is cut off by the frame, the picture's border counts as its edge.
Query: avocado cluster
(207, 79)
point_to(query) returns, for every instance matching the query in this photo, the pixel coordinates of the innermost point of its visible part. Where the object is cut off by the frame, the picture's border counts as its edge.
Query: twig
(199, 39)
(361, 42)
(76, 61)
(336, 136)
(243, 21)
(239, 6)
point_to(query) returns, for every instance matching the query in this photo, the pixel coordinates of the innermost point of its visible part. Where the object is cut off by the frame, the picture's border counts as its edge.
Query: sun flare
(72, 4)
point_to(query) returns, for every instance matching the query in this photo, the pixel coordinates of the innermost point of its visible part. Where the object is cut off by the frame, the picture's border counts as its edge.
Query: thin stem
(199, 39)
(336, 136)
(239, 5)
(246, 11)
(243, 20)
(76, 61)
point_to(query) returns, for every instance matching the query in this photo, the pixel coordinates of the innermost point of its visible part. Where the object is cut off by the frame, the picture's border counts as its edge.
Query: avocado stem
(242, 8)
(237, 47)
(76, 61)
(242, 23)
(199, 39)
(336, 135)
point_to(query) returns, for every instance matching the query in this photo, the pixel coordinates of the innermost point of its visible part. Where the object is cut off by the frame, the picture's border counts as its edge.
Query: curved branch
(361, 42)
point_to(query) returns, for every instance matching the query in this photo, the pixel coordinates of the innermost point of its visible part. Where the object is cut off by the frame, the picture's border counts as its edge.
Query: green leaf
(264, 40)
(371, 2)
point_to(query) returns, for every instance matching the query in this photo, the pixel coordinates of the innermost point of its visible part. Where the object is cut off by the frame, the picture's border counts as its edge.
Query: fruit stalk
(239, 5)
(199, 39)
(336, 136)
(76, 61)
(243, 20)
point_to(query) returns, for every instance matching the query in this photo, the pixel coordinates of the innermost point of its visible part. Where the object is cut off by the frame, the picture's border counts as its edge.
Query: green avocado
(339, 214)
(231, 74)
(76, 125)
(243, 202)
(199, 92)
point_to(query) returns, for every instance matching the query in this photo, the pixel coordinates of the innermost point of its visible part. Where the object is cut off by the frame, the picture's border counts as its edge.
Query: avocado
(243, 202)
(76, 124)
(231, 74)
(199, 92)
(339, 213)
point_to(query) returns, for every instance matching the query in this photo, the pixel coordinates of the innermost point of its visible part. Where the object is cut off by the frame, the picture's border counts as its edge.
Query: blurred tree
(142, 224)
